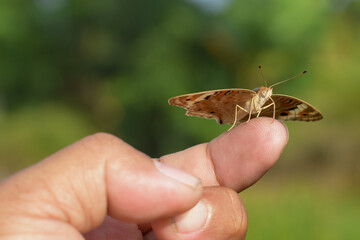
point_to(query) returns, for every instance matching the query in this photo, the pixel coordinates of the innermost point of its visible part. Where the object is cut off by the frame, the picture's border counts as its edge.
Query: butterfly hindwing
(291, 109)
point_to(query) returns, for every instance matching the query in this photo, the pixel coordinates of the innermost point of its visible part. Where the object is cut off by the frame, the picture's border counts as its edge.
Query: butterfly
(234, 106)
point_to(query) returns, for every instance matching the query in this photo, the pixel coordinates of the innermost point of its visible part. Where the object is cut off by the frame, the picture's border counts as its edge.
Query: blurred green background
(72, 68)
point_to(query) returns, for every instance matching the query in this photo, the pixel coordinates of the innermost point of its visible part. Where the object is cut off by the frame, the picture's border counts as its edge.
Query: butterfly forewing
(291, 109)
(217, 104)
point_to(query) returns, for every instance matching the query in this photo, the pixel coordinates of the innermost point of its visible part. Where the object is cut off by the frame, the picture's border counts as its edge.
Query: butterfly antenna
(288, 79)
(262, 75)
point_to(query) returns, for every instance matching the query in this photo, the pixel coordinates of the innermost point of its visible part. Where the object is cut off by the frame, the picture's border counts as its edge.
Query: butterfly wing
(291, 109)
(217, 104)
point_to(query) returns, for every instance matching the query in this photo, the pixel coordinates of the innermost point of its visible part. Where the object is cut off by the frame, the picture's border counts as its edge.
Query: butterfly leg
(259, 112)
(236, 113)
(251, 108)
(271, 104)
(274, 109)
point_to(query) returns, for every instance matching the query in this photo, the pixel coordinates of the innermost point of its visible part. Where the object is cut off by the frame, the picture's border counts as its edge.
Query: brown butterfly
(233, 106)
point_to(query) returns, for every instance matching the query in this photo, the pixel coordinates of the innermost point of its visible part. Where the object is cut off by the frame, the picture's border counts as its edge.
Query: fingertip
(265, 132)
(242, 155)
(263, 127)
(272, 135)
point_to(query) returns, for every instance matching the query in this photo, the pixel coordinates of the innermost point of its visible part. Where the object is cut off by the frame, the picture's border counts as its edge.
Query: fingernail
(192, 220)
(177, 174)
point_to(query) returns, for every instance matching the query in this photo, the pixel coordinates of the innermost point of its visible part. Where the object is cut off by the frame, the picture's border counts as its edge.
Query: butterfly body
(263, 94)
(233, 106)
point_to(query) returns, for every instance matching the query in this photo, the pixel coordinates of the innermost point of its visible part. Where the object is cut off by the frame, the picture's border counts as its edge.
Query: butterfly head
(262, 95)
(263, 92)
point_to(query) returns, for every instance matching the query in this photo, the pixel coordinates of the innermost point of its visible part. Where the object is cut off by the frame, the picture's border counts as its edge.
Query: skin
(102, 188)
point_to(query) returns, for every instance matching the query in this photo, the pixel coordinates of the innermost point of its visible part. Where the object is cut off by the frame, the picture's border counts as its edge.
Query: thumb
(73, 190)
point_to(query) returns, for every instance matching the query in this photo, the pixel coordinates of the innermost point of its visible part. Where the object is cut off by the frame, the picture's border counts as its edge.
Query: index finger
(235, 159)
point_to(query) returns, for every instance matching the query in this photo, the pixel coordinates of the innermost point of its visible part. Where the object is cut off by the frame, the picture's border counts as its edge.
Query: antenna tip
(259, 66)
(305, 71)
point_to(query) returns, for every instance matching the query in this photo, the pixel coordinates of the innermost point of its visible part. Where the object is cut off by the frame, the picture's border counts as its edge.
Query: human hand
(105, 189)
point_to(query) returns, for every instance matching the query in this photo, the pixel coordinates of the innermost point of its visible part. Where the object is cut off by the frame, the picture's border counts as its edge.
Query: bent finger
(78, 185)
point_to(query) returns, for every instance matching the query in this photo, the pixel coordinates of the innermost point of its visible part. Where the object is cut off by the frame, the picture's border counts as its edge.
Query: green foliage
(34, 132)
(299, 209)
(71, 68)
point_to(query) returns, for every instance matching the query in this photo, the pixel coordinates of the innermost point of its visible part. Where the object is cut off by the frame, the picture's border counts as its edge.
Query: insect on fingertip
(218, 104)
